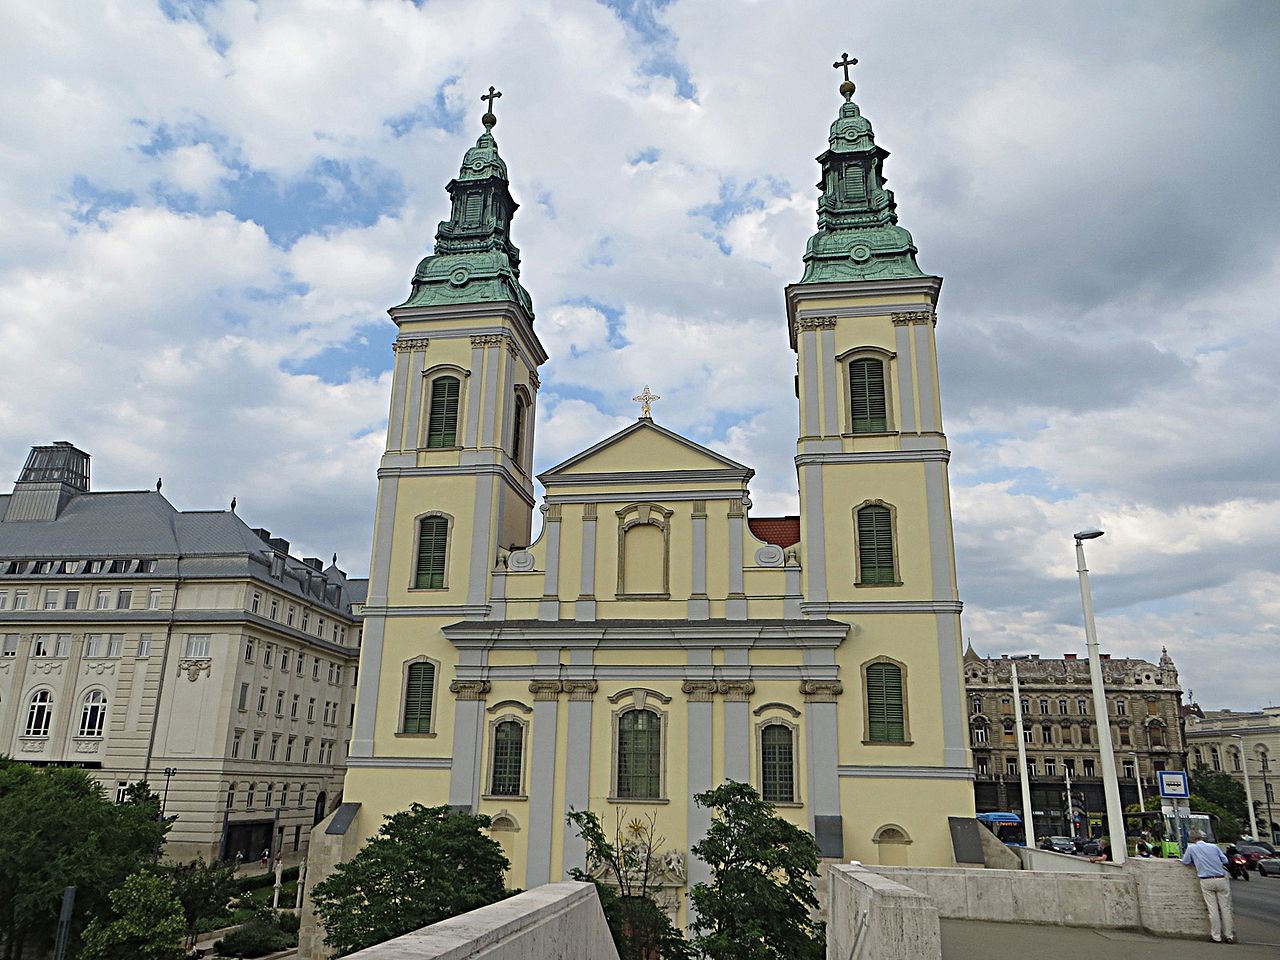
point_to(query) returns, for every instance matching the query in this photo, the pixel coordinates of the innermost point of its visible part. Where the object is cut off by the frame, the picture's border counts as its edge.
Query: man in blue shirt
(1211, 868)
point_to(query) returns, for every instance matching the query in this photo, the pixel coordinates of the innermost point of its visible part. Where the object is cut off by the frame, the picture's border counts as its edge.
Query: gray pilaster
(498, 597)
(468, 747)
(942, 566)
(399, 384)
(585, 608)
(542, 784)
(472, 438)
(830, 410)
(736, 604)
(906, 412)
(737, 722)
(815, 546)
(549, 606)
(924, 371)
(413, 434)
(699, 605)
(482, 541)
(489, 404)
(822, 752)
(810, 362)
(701, 749)
(507, 399)
(577, 778)
(375, 625)
(791, 602)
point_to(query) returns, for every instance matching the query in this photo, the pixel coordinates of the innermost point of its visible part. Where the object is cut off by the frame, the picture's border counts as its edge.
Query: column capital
(821, 691)
(545, 689)
(580, 689)
(699, 690)
(736, 690)
(469, 689)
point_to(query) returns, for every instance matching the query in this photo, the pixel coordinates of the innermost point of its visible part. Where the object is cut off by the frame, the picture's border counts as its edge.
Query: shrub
(257, 938)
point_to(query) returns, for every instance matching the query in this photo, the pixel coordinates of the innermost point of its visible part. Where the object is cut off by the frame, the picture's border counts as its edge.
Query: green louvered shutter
(508, 740)
(866, 396)
(433, 538)
(418, 693)
(442, 421)
(777, 761)
(885, 720)
(875, 545)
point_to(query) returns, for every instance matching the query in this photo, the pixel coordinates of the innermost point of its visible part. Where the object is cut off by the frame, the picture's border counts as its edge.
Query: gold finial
(844, 63)
(645, 399)
(489, 120)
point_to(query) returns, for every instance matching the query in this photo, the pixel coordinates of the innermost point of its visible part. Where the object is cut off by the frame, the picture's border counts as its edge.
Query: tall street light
(1110, 784)
(1248, 790)
(1028, 824)
(1137, 775)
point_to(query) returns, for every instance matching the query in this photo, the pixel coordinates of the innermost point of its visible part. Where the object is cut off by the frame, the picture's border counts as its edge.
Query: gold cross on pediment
(645, 399)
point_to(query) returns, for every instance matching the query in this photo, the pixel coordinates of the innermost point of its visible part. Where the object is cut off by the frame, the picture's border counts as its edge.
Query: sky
(207, 208)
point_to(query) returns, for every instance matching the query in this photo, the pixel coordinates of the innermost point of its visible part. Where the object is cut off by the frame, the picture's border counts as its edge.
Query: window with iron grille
(886, 722)
(442, 420)
(875, 545)
(508, 743)
(777, 759)
(433, 538)
(866, 396)
(639, 755)
(418, 695)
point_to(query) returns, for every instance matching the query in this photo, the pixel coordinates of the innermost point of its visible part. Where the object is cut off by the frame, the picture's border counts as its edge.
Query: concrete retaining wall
(1047, 861)
(1169, 898)
(557, 920)
(875, 917)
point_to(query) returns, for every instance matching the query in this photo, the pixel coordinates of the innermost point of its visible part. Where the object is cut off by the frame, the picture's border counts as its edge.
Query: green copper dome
(474, 260)
(858, 235)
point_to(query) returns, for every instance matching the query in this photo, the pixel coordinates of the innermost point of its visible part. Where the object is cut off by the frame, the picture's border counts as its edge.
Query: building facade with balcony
(141, 642)
(1240, 742)
(1059, 726)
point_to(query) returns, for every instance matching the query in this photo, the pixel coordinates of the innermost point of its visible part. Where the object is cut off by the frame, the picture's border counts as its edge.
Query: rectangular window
(1050, 767)
(982, 766)
(442, 418)
(235, 744)
(1031, 767)
(288, 749)
(1124, 737)
(297, 837)
(867, 405)
(320, 627)
(64, 645)
(875, 545)
(306, 749)
(1011, 768)
(43, 566)
(198, 645)
(302, 793)
(1130, 771)
(124, 599)
(777, 764)
(119, 566)
(1069, 766)
(290, 614)
(4, 600)
(306, 620)
(337, 675)
(9, 648)
(275, 746)
(315, 669)
(93, 644)
(122, 791)
(153, 598)
(103, 600)
(51, 599)
(262, 699)
(146, 566)
(255, 747)
(255, 604)
(275, 609)
(73, 600)
(1088, 768)
(95, 566)
(268, 654)
(20, 600)
(42, 645)
(293, 707)
(311, 710)
(248, 649)
(298, 665)
(886, 716)
(284, 661)
(433, 536)
(279, 703)
(243, 702)
(115, 644)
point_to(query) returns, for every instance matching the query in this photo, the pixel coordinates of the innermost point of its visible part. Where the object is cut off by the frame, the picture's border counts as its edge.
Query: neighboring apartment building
(1060, 729)
(1236, 741)
(139, 641)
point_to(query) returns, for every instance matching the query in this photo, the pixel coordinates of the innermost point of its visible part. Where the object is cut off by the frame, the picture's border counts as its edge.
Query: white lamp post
(1137, 775)
(1028, 824)
(1110, 783)
(1248, 791)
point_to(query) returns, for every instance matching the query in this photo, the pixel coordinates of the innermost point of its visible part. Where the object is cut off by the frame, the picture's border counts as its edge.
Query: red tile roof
(783, 531)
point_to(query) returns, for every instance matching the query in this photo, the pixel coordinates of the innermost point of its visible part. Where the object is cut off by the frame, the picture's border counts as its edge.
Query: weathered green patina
(475, 260)
(858, 235)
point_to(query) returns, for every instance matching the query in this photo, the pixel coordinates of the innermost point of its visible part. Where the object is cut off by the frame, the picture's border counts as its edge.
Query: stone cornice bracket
(580, 689)
(698, 691)
(469, 689)
(545, 689)
(918, 316)
(534, 380)
(409, 343)
(821, 691)
(736, 690)
(488, 339)
(815, 323)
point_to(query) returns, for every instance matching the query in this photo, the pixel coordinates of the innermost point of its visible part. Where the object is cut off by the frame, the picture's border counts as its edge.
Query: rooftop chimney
(1070, 656)
(52, 476)
(278, 544)
(315, 563)
(1104, 656)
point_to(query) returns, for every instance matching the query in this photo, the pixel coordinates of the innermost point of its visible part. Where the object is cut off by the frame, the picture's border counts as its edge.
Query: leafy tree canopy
(203, 889)
(60, 830)
(425, 864)
(1220, 789)
(757, 906)
(148, 922)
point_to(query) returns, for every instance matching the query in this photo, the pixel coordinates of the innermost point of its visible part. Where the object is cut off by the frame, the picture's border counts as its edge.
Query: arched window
(517, 430)
(1235, 760)
(419, 695)
(868, 411)
(875, 545)
(39, 714)
(639, 755)
(777, 764)
(1215, 758)
(979, 732)
(1155, 733)
(248, 795)
(433, 543)
(886, 717)
(93, 714)
(442, 421)
(508, 749)
(975, 705)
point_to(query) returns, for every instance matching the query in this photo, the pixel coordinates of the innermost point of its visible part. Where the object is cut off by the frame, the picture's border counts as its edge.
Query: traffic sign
(1174, 784)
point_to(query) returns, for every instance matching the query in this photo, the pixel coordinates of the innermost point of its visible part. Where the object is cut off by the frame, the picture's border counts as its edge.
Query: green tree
(622, 871)
(757, 905)
(148, 922)
(60, 830)
(203, 888)
(424, 865)
(1221, 789)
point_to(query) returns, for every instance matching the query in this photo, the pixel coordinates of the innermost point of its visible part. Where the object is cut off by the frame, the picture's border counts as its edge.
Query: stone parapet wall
(870, 915)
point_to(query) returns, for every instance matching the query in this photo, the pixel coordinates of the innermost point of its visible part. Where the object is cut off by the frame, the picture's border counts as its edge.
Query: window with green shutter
(777, 762)
(419, 695)
(639, 755)
(886, 722)
(875, 545)
(433, 541)
(866, 396)
(442, 418)
(508, 744)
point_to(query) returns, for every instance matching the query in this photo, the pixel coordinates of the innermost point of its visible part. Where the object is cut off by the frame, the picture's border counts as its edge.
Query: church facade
(657, 637)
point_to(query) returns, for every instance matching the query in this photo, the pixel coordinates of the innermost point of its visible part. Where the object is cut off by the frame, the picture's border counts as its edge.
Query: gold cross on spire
(645, 399)
(490, 119)
(844, 63)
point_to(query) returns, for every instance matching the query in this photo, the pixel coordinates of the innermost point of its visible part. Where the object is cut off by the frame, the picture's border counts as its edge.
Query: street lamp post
(1248, 790)
(169, 774)
(1266, 790)
(1028, 823)
(1110, 784)
(1137, 775)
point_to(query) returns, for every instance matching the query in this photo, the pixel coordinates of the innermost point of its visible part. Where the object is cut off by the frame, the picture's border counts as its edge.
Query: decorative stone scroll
(409, 343)
(918, 316)
(580, 689)
(821, 691)
(815, 323)
(469, 689)
(193, 667)
(545, 689)
(770, 555)
(736, 690)
(520, 561)
(699, 691)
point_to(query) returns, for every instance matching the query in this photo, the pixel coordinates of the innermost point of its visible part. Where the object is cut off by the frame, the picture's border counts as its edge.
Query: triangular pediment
(644, 448)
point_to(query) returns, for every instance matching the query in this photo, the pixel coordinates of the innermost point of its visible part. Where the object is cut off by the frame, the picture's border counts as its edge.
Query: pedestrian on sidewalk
(1211, 867)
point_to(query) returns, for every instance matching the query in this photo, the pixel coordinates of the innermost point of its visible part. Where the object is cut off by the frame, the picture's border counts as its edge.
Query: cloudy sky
(205, 210)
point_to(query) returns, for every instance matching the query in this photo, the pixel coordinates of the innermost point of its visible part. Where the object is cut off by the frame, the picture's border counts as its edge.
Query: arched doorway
(320, 810)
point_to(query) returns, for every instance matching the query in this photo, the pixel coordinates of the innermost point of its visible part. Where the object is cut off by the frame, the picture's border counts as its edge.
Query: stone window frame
(890, 360)
(906, 740)
(435, 697)
(773, 720)
(450, 525)
(491, 742)
(636, 514)
(639, 698)
(976, 723)
(429, 377)
(893, 536)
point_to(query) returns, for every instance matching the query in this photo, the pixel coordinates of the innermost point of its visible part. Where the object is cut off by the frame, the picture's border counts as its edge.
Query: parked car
(1089, 849)
(1259, 843)
(1269, 867)
(1253, 852)
(1058, 844)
